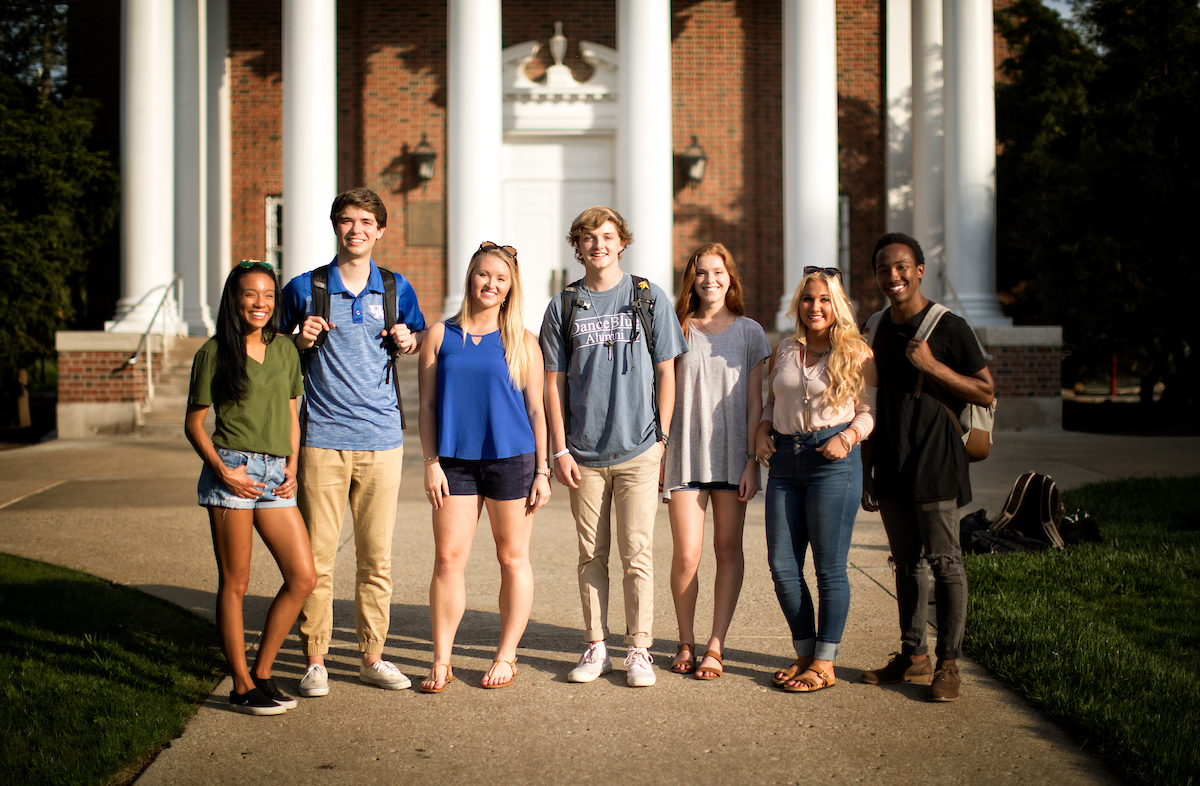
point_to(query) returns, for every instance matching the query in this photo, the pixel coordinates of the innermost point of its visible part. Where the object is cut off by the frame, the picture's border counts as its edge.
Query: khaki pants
(627, 492)
(370, 480)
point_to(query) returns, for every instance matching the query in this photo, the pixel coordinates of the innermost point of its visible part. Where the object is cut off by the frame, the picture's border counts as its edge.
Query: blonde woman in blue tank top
(483, 439)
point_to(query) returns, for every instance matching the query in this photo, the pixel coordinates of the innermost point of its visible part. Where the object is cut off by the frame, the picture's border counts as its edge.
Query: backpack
(975, 423)
(643, 306)
(320, 302)
(1034, 510)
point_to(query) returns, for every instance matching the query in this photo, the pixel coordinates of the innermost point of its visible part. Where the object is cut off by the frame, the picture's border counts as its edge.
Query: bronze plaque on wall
(427, 224)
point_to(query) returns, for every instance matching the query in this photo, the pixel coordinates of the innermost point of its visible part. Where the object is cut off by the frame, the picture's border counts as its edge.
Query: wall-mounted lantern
(422, 157)
(694, 161)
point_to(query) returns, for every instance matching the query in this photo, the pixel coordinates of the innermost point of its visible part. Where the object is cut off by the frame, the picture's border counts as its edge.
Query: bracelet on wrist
(845, 440)
(562, 453)
(430, 459)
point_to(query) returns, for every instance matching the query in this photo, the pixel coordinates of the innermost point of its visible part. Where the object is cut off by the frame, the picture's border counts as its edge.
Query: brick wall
(1026, 371)
(100, 377)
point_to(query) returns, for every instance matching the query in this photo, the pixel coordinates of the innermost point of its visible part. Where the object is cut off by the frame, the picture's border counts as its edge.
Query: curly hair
(592, 219)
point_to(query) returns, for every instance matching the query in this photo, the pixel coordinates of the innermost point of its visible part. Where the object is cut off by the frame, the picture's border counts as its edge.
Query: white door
(547, 181)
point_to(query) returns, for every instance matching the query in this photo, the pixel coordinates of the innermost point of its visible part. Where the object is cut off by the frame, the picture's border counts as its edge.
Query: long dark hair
(230, 380)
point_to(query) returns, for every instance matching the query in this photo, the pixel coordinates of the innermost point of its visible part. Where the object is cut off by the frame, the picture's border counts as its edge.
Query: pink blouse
(791, 384)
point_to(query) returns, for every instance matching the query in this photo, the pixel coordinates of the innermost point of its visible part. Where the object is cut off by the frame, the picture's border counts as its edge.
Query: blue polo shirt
(349, 401)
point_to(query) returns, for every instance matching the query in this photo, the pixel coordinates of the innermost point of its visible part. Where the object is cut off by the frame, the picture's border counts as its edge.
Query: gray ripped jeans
(924, 535)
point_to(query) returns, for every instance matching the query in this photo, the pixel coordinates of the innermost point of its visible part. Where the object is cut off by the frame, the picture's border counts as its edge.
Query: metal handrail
(175, 283)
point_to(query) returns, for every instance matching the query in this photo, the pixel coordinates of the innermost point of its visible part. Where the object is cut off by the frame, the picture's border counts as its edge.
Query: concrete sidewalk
(125, 510)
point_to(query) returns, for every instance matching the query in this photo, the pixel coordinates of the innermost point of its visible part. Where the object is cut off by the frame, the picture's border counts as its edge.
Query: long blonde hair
(847, 348)
(512, 310)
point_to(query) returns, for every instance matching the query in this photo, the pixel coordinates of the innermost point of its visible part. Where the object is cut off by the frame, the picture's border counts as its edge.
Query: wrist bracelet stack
(562, 453)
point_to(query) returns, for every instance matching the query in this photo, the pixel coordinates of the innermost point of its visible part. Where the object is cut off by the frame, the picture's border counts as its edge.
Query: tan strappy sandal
(433, 671)
(684, 666)
(804, 684)
(708, 672)
(798, 665)
(512, 664)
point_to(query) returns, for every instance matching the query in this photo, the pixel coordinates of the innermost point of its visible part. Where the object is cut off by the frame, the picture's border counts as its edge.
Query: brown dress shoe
(900, 668)
(945, 684)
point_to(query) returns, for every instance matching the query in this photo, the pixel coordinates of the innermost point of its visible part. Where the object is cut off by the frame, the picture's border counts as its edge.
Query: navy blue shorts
(715, 485)
(499, 479)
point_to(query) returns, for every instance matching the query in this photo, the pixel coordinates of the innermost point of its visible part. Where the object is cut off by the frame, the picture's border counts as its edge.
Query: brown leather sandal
(433, 676)
(784, 675)
(512, 664)
(688, 665)
(708, 672)
(804, 684)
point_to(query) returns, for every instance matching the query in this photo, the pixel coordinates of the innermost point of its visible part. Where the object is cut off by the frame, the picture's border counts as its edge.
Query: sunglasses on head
(829, 271)
(249, 263)
(488, 245)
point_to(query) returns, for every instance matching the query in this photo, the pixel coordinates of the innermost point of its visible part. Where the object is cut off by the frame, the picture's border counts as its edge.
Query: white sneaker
(384, 674)
(639, 668)
(315, 681)
(592, 663)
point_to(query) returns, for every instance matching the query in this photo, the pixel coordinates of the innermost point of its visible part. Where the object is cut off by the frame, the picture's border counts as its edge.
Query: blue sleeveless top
(481, 414)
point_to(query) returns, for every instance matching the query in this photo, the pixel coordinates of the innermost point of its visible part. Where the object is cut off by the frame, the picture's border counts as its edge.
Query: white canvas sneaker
(384, 674)
(639, 668)
(592, 663)
(315, 682)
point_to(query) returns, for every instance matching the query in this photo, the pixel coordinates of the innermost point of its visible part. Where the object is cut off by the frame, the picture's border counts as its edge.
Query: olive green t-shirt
(262, 421)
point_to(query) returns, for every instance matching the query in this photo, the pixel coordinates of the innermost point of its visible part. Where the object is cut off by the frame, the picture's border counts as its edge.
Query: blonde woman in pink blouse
(820, 406)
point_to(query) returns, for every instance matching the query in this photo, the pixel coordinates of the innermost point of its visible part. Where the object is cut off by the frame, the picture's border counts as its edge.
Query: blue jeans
(812, 500)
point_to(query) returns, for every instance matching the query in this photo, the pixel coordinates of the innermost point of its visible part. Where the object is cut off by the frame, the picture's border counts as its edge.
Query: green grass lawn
(1105, 638)
(94, 678)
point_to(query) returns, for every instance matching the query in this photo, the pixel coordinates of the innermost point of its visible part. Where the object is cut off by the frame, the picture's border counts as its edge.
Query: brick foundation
(98, 395)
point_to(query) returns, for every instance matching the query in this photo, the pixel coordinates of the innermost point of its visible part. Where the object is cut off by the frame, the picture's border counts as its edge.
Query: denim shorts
(498, 479)
(715, 485)
(261, 467)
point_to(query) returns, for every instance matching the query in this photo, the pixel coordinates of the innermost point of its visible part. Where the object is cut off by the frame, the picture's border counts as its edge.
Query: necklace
(707, 333)
(805, 376)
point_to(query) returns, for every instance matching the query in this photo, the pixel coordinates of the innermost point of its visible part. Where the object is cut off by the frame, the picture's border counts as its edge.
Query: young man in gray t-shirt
(600, 403)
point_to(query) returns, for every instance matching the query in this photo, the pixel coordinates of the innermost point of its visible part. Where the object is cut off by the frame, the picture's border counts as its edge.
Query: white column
(475, 137)
(218, 158)
(645, 165)
(810, 145)
(971, 160)
(191, 204)
(309, 133)
(899, 81)
(147, 160)
(929, 198)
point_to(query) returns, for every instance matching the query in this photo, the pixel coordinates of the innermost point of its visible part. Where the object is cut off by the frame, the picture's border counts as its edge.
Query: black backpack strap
(570, 310)
(389, 321)
(319, 281)
(643, 306)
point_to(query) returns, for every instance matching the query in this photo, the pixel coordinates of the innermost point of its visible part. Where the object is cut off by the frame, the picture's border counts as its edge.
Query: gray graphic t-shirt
(610, 374)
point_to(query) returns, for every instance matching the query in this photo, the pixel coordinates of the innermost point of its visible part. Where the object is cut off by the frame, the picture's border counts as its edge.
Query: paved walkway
(124, 510)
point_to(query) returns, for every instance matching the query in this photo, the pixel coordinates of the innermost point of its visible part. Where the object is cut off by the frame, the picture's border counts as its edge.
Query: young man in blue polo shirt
(353, 445)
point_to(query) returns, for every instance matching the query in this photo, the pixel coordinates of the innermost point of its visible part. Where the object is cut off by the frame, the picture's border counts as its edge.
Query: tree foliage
(57, 197)
(1098, 181)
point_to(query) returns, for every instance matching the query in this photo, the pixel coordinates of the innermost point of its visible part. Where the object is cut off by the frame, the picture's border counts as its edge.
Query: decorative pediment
(559, 103)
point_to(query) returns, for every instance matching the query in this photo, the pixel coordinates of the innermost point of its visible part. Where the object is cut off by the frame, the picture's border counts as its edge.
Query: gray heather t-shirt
(610, 378)
(708, 431)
